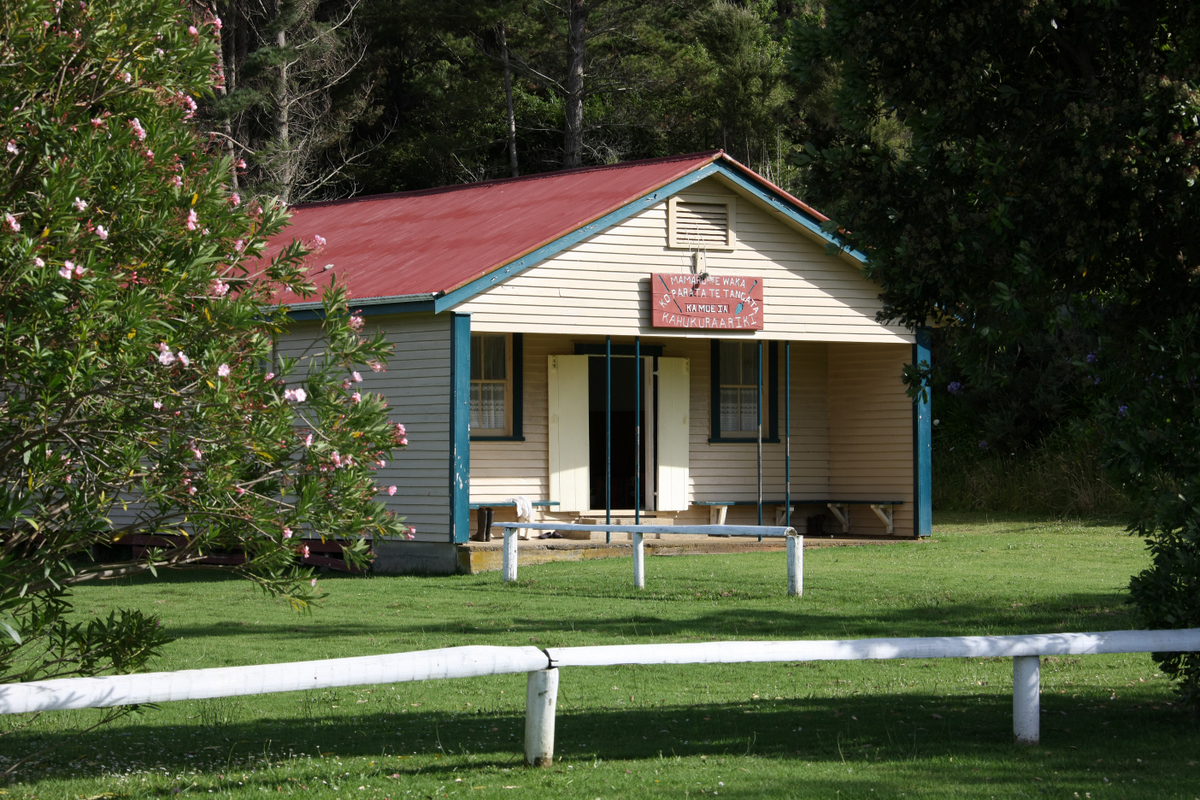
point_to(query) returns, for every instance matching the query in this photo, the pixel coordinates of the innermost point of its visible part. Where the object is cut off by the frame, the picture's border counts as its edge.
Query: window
(735, 389)
(700, 222)
(495, 394)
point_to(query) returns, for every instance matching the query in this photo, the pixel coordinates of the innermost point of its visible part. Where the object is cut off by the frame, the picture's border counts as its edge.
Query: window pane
(749, 411)
(749, 363)
(493, 357)
(491, 406)
(729, 410)
(730, 366)
(476, 357)
(476, 420)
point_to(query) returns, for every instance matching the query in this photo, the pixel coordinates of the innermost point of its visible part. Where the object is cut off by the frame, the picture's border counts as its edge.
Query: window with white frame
(491, 384)
(735, 382)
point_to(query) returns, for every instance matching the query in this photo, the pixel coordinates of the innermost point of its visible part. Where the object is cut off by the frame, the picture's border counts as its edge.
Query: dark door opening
(624, 440)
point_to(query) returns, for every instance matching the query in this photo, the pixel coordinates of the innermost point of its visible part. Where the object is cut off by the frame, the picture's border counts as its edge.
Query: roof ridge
(711, 154)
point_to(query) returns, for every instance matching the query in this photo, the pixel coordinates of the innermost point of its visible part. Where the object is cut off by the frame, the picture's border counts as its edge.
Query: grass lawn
(916, 728)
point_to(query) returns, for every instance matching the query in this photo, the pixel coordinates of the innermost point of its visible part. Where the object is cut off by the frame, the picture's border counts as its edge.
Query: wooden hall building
(671, 339)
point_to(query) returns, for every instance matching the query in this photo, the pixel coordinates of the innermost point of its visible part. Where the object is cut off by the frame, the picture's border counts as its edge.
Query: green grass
(915, 728)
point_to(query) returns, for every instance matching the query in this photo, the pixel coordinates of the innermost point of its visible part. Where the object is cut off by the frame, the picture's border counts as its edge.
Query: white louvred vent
(702, 224)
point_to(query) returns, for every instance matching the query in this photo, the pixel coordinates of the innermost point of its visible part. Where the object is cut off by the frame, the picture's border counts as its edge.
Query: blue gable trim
(773, 199)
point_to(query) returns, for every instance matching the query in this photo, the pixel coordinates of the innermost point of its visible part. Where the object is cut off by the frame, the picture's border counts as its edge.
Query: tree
(293, 91)
(136, 391)
(1044, 184)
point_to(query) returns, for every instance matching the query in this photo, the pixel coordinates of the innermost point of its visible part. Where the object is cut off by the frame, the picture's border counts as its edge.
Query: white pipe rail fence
(542, 666)
(795, 544)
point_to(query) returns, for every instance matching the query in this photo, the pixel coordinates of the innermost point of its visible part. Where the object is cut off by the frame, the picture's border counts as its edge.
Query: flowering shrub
(135, 397)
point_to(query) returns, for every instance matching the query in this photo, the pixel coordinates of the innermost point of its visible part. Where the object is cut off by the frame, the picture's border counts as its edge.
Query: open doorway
(626, 469)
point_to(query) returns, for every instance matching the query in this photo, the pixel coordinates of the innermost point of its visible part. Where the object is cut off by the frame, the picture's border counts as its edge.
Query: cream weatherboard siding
(417, 385)
(870, 441)
(602, 285)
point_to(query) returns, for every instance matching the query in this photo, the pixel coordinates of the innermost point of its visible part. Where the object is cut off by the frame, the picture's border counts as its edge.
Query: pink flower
(190, 105)
(240, 491)
(235, 199)
(239, 245)
(356, 322)
(191, 490)
(126, 77)
(404, 442)
(241, 163)
(176, 181)
(391, 491)
(218, 288)
(381, 463)
(296, 395)
(191, 220)
(192, 30)
(412, 532)
(11, 223)
(138, 130)
(12, 148)
(223, 371)
(67, 269)
(80, 205)
(196, 454)
(400, 429)
(183, 359)
(357, 378)
(318, 241)
(101, 232)
(287, 533)
(158, 405)
(308, 440)
(165, 356)
(97, 122)
(376, 367)
(80, 271)
(304, 551)
(336, 459)
(37, 262)
(268, 376)
(356, 397)
(313, 583)
(216, 23)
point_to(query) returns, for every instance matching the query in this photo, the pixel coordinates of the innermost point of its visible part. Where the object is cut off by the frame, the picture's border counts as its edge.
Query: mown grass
(916, 728)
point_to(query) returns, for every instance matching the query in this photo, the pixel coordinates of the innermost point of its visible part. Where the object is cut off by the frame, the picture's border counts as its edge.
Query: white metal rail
(795, 544)
(542, 667)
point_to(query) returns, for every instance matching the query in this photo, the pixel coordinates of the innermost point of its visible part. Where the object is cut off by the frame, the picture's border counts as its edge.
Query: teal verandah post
(758, 359)
(922, 444)
(787, 433)
(637, 430)
(608, 436)
(460, 427)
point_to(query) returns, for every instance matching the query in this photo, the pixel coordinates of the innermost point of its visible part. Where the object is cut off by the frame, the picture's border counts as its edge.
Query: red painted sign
(718, 302)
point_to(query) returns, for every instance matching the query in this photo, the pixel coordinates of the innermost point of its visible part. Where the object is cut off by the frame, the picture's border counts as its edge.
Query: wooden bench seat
(487, 511)
(884, 509)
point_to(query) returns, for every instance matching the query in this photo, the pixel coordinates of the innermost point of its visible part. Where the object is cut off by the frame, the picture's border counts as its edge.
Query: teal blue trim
(922, 445)
(460, 427)
(626, 211)
(784, 206)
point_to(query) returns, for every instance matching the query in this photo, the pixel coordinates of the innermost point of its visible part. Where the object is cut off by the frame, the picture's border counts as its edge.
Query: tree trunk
(227, 46)
(512, 119)
(282, 106)
(577, 14)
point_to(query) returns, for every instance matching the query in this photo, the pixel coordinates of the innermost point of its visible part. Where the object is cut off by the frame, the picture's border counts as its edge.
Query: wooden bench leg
(842, 516)
(887, 514)
(716, 515)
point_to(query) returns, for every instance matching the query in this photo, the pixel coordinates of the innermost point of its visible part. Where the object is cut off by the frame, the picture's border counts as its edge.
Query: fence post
(1027, 699)
(795, 557)
(541, 698)
(639, 561)
(510, 554)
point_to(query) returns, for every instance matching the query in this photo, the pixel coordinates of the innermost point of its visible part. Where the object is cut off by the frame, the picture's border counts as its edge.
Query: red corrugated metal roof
(436, 240)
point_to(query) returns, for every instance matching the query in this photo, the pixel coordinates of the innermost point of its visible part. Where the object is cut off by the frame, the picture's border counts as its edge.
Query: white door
(569, 450)
(674, 409)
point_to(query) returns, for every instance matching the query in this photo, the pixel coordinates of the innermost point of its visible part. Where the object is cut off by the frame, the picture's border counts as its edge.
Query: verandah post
(795, 558)
(1027, 699)
(510, 554)
(541, 698)
(639, 561)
